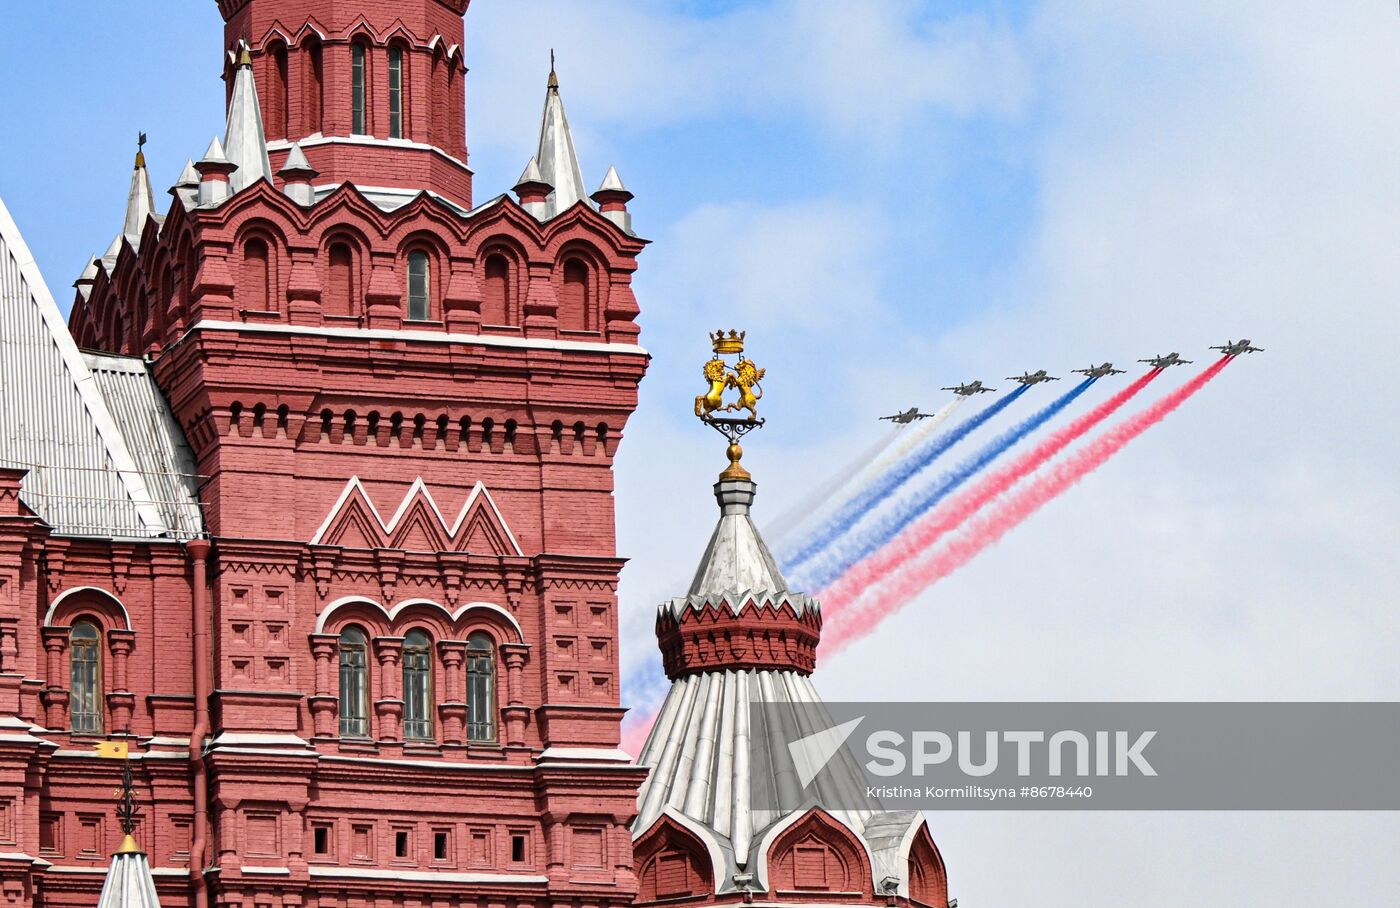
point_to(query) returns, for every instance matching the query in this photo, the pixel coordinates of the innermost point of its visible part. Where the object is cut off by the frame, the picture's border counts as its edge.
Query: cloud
(861, 70)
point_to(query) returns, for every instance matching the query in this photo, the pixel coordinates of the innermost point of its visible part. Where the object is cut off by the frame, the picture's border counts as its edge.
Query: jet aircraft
(1235, 348)
(1099, 371)
(1032, 378)
(1163, 362)
(905, 417)
(967, 389)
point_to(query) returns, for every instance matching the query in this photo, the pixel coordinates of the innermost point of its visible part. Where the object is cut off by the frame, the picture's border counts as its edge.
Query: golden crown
(733, 342)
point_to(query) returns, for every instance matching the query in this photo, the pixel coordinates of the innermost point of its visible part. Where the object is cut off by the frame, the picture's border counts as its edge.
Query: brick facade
(448, 476)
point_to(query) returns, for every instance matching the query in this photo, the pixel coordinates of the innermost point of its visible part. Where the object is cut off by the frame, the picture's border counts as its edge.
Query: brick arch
(383, 622)
(89, 601)
(581, 303)
(672, 863)
(927, 875)
(818, 854)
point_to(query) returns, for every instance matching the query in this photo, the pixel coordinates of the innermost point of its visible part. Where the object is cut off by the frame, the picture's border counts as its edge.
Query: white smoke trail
(846, 484)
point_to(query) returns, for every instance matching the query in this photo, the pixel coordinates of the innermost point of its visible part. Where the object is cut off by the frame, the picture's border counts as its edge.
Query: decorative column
(55, 695)
(121, 702)
(453, 708)
(389, 707)
(515, 713)
(326, 700)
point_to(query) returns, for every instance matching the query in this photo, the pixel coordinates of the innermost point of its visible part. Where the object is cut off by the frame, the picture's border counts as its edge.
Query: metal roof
(725, 780)
(129, 883)
(55, 421)
(557, 159)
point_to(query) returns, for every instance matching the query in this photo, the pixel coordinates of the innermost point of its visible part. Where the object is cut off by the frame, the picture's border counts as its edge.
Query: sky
(892, 196)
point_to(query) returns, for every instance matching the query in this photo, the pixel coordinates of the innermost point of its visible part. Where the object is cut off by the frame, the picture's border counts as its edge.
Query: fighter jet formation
(1032, 378)
(1100, 371)
(1235, 348)
(973, 388)
(968, 389)
(905, 417)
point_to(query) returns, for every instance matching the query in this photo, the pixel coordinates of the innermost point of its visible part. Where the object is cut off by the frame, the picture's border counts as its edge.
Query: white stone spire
(557, 159)
(245, 143)
(140, 200)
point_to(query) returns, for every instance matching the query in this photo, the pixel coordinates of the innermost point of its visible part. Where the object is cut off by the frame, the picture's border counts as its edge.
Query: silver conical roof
(557, 159)
(245, 143)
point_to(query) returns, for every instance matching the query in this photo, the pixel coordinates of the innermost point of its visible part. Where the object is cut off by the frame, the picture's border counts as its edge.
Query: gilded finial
(745, 377)
(128, 811)
(245, 56)
(140, 146)
(553, 76)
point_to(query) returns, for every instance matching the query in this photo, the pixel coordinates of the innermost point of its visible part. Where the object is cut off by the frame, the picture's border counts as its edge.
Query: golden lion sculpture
(717, 374)
(746, 378)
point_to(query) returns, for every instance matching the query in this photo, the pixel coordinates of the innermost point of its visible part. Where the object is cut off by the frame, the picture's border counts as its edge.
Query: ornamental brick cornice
(769, 635)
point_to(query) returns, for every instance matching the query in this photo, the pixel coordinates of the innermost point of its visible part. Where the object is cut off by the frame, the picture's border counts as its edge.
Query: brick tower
(316, 514)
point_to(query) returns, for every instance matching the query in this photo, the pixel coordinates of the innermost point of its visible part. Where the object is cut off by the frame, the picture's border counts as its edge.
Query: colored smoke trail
(888, 482)
(898, 589)
(863, 542)
(635, 730)
(825, 492)
(848, 588)
(847, 483)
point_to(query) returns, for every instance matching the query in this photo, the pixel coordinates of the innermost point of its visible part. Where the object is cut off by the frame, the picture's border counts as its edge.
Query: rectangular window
(403, 844)
(323, 840)
(396, 93)
(50, 833)
(518, 854)
(442, 845)
(357, 89)
(419, 286)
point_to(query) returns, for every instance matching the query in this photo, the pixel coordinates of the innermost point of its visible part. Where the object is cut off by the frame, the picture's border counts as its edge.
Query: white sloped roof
(55, 422)
(129, 883)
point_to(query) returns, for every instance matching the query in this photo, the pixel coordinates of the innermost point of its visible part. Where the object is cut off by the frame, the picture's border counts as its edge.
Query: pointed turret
(533, 190)
(245, 143)
(129, 883)
(740, 649)
(612, 198)
(558, 162)
(186, 188)
(140, 200)
(215, 174)
(297, 174)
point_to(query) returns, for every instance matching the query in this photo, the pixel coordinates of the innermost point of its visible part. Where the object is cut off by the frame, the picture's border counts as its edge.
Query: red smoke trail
(907, 545)
(897, 589)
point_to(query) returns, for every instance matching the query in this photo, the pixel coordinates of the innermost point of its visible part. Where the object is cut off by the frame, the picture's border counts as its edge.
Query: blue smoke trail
(885, 485)
(861, 544)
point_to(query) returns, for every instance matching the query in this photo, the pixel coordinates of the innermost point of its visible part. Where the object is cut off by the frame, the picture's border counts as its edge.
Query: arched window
(277, 101)
(419, 286)
(417, 686)
(354, 684)
(314, 101)
(495, 303)
(396, 92)
(481, 687)
(85, 642)
(358, 81)
(573, 303)
(339, 298)
(257, 276)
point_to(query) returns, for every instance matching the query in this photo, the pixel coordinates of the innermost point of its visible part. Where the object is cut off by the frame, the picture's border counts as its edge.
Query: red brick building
(310, 503)
(314, 506)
